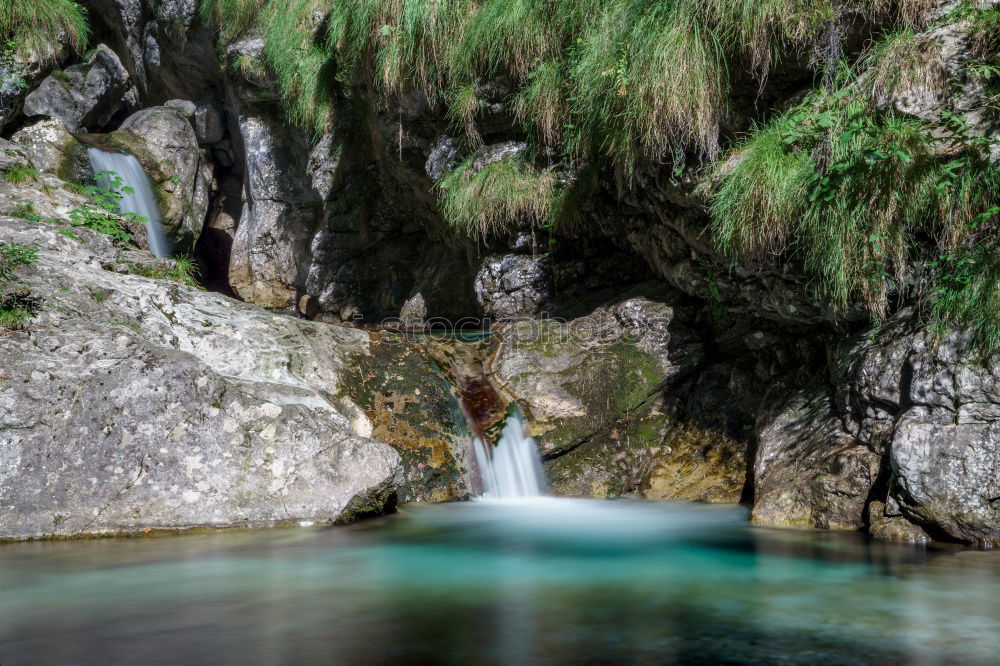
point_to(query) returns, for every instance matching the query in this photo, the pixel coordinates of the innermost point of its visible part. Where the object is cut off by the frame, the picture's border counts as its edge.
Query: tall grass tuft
(294, 48)
(232, 16)
(490, 200)
(856, 197)
(41, 26)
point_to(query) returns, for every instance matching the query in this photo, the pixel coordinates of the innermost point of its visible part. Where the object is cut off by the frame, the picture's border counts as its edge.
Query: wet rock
(592, 389)
(82, 96)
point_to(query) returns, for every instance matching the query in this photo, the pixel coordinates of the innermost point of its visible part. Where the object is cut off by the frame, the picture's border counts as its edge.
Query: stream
(533, 580)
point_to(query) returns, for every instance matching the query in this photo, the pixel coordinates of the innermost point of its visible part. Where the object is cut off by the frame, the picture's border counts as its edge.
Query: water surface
(536, 581)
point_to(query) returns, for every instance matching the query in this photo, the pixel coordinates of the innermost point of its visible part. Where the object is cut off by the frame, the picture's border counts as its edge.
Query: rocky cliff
(741, 299)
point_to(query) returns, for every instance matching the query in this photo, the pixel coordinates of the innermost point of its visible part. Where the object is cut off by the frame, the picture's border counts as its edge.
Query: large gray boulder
(166, 145)
(808, 471)
(84, 97)
(934, 405)
(130, 403)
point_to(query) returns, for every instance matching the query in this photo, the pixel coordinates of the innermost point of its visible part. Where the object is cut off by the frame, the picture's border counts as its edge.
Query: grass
(485, 201)
(859, 199)
(41, 26)
(16, 304)
(182, 269)
(19, 174)
(905, 61)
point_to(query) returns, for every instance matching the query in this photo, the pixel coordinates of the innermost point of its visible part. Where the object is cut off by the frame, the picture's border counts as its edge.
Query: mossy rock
(411, 406)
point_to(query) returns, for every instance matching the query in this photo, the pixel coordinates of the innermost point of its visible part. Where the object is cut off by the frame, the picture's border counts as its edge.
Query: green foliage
(102, 213)
(232, 16)
(967, 291)
(41, 26)
(904, 61)
(302, 66)
(624, 78)
(26, 211)
(182, 269)
(19, 173)
(16, 304)
(852, 193)
(13, 255)
(499, 195)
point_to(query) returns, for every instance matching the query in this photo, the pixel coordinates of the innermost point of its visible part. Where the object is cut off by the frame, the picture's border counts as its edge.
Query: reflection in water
(539, 581)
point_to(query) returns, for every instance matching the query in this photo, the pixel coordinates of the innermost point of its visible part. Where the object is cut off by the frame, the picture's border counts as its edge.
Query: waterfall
(141, 201)
(514, 470)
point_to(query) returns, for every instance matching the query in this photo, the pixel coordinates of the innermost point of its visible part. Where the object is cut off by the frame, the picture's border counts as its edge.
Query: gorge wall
(664, 341)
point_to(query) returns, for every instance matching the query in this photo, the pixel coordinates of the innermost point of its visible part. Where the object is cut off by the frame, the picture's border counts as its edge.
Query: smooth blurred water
(512, 469)
(536, 581)
(140, 200)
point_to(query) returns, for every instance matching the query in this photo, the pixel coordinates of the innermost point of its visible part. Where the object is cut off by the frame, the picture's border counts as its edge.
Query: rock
(514, 286)
(411, 404)
(209, 125)
(161, 421)
(167, 49)
(934, 405)
(165, 143)
(443, 158)
(51, 148)
(414, 312)
(12, 156)
(272, 245)
(882, 525)
(809, 472)
(20, 71)
(184, 107)
(592, 390)
(82, 96)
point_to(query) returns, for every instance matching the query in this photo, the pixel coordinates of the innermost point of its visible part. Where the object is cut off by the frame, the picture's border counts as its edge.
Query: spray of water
(141, 200)
(514, 470)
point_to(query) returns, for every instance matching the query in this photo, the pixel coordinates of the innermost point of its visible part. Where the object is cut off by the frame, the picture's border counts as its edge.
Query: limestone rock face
(51, 148)
(82, 96)
(130, 403)
(809, 472)
(592, 389)
(514, 286)
(165, 143)
(934, 405)
(167, 50)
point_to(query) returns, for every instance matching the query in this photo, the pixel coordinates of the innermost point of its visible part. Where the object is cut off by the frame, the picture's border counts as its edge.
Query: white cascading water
(514, 470)
(141, 201)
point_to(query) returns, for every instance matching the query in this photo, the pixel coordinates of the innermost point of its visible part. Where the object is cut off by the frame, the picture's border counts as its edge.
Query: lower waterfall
(514, 470)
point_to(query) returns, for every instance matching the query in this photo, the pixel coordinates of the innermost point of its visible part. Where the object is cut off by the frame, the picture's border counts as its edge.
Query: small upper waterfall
(514, 469)
(140, 201)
